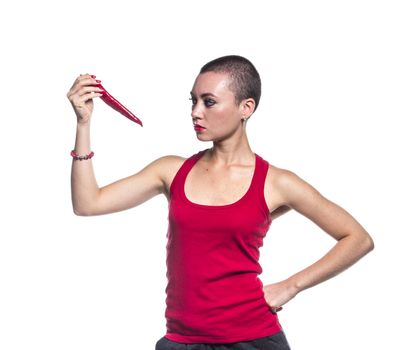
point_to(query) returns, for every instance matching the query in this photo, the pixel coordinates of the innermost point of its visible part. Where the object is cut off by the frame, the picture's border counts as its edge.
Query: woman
(222, 201)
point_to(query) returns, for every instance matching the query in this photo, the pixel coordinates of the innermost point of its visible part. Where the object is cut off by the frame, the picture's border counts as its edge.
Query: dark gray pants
(276, 341)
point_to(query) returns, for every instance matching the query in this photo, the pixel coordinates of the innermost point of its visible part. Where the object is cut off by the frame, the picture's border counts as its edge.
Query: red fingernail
(98, 81)
(93, 76)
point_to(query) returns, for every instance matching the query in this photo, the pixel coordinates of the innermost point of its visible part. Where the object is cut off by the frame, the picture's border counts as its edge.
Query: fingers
(83, 80)
(81, 77)
(88, 89)
(85, 97)
(84, 88)
(276, 309)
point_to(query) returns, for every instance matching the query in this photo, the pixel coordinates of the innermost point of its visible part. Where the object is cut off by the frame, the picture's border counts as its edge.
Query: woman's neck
(230, 151)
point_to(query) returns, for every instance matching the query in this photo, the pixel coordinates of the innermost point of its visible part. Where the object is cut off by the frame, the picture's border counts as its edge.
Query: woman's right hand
(81, 96)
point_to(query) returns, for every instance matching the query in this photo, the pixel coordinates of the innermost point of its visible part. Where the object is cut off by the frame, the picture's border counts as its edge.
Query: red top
(214, 294)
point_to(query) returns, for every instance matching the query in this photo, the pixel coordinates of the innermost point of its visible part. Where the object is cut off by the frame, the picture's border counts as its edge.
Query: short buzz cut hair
(245, 78)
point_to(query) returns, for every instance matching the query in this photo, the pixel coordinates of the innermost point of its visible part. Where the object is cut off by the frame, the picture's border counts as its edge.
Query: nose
(196, 112)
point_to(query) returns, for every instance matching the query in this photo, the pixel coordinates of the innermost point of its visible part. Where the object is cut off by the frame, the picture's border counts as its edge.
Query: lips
(198, 127)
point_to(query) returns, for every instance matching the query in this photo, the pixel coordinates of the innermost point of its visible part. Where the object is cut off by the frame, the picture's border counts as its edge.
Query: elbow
(87, 206)
(78, 212)
(371, 244)
(84, 208)
(362, 243)
(81, 212)
(367, 244)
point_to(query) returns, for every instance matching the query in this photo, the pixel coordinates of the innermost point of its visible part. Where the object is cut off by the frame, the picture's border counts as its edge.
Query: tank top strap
(262, 167)
(184, 169)
(257, 190)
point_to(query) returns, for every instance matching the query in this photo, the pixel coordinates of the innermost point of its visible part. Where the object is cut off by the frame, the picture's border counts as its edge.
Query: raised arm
(87, 197)
(353, 241)
(123, 194)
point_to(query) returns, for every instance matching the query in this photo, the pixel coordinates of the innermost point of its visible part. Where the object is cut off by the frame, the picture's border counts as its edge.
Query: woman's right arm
(87, 198)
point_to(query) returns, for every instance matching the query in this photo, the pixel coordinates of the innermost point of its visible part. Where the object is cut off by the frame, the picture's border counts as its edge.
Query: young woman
(222, 201)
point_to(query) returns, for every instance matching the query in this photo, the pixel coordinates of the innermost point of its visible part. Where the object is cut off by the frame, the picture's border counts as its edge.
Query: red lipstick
(199, 128)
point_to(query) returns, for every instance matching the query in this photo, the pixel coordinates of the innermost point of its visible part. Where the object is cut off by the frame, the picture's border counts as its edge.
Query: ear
(247, 107)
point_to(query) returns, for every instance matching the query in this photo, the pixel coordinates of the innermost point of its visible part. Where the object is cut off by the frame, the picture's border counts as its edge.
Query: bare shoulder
(284, 190)
(282, 178)
(169, 164)
(273, 194)
(288, 185)
(169, 160)
(167, 168)
(278, 177)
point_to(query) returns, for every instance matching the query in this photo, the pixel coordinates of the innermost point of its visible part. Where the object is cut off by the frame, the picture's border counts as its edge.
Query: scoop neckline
(206, 206)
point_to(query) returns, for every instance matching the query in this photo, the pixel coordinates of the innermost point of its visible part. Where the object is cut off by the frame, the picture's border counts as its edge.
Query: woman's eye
(209, 102)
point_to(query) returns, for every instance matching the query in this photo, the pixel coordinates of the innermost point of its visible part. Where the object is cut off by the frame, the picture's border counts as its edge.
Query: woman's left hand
(278, 294)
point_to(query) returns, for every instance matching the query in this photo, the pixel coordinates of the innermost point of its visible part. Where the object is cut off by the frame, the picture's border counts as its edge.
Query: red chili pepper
(117, 106)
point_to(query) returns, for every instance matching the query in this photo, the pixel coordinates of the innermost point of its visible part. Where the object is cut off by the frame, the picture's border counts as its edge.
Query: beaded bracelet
(77, 157)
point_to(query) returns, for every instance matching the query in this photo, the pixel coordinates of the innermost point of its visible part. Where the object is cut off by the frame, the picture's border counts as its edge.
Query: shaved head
(245, 79)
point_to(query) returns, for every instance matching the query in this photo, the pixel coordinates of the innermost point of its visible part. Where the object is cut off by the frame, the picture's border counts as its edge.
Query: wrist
(83, 125)
(82, 144)
(294, 285)
(86, 156)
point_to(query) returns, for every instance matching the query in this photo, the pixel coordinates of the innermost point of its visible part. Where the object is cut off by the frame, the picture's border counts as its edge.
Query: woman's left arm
(353, 241)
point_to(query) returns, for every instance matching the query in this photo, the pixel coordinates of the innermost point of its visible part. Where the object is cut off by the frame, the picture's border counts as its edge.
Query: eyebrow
(205, 94)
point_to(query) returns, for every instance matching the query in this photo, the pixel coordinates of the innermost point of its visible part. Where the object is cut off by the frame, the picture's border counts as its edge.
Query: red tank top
(213, 293)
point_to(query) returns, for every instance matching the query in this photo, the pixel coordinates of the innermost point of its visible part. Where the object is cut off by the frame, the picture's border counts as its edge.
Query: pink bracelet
(77, 157)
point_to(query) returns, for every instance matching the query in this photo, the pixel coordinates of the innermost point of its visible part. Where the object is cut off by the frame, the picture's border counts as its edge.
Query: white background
(335, 107)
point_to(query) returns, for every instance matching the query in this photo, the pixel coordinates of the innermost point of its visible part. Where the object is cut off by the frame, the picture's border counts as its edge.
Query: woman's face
(214, 107)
